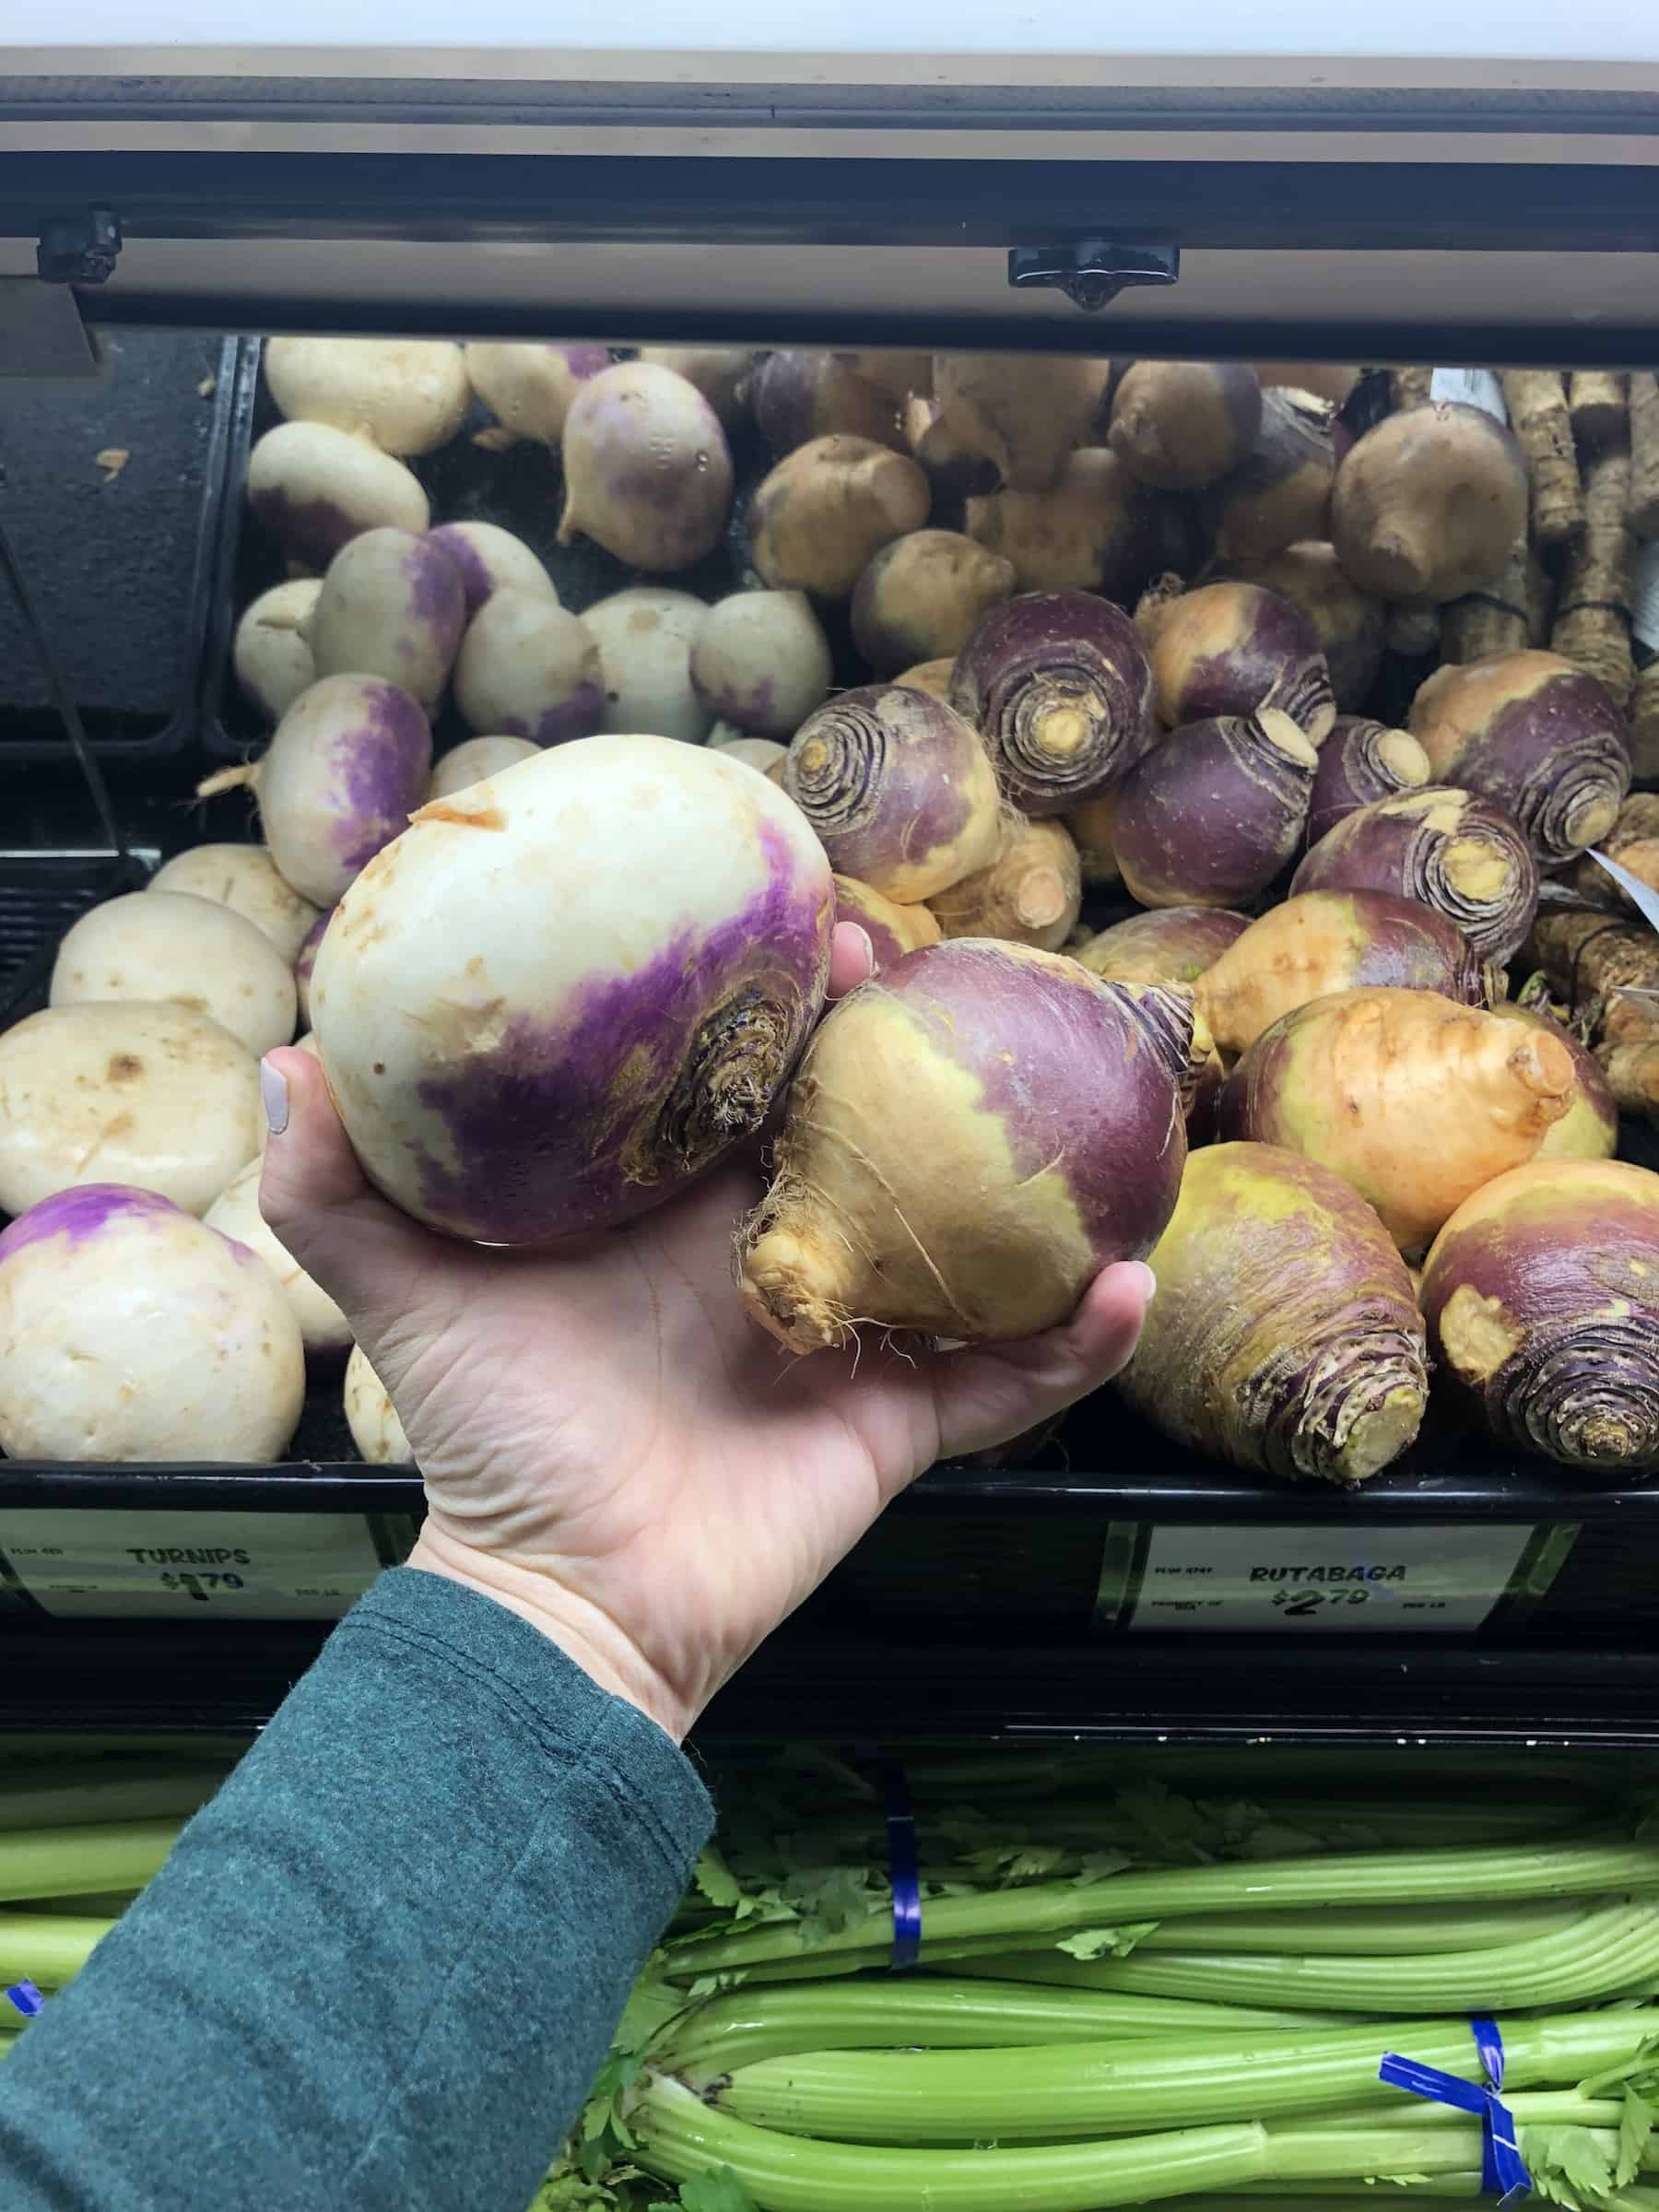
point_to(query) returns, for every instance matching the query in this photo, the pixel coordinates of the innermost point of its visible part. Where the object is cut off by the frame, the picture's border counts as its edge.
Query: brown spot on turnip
(483, 817)
(123, 1068)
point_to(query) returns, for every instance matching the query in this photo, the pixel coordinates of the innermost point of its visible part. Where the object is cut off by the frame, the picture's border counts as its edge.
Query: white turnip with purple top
(648, 473)
(529, 668)
(392, 605)
(491, 559)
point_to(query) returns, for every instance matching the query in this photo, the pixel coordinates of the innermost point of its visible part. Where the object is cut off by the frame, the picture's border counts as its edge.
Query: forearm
(384, 1963)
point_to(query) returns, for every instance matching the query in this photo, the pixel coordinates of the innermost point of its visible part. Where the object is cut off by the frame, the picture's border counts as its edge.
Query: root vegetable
(921, 597)
(1097, 530)
(1446, 848)
(1231, 648)
(530, 389)
(1180, 426)
(405, 395)
(898, 790)
(1324, 941)
(491, 559)
(346, 766)
(1428, 504)
(1411, 630)
(1539, 1295)
(898, 374)
(1536, 401)
(1213, 815)
(1059, 686)
(1496, 620)
(1091, 826)
(1320, 380)
(171, 949)
(246, 879)
(528, 668)
(648, 473)
(1359, 763)
(509, 1082)
(155, 1095)
(1281, 493)
(1410, 387)
(798, 396)
(928, 676)
(270, 655)
(1173, 947)
(1642, 514)
(1608, 971)
(130, 1331)
(1645, 723)
(1030, 894)
(1589, 1128)
(316, 488)
(1633, 841)
(1284, 1335)
(953, 471)
(475, 758)
(825, 511)
(1025, 412)
(371, 1415)
(762, 753)
(324, 1329)
(305, 959)
(645, 638)
(1348, 622)
(892, 930)
(1592, 625)
(720, 372)
(392, 605)
(1535, 736)
(1597, 406)
(761, 659)
(1413, 1101)
(1041, 1138)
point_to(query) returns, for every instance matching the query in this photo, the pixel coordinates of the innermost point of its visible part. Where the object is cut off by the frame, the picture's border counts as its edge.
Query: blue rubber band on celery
(27, 1998)
(1502, 2170)
(904, 1868)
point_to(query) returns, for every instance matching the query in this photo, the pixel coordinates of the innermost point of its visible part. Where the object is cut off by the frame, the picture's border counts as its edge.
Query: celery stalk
(1335, 1932)
(139, 1790)
(46, 1947)
(69, 1862)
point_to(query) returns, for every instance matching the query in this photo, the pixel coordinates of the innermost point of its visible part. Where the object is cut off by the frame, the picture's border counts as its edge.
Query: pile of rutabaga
(1136, 640)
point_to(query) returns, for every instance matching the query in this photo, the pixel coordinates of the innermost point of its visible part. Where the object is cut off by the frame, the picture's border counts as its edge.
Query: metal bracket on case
(1091, 272)
(79, 249)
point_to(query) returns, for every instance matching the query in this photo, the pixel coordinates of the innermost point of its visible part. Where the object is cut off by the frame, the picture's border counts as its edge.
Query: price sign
(89, 1564)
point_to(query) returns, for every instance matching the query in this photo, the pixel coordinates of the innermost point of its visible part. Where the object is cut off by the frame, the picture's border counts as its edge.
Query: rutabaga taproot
(1284, 1335)
(1174, 944)
(897, 788)
(1059, 686)
(1030, 894)
(1231, 648)
(1211, 816)
(1183, 425)
(371, 1415)
(1427, 505)
(315, 488)
(391, 606)
(1324, 941)
(921, 597)
(491, 559)
(1467, 859)
(762, 660)
(270, 655)
(1534, 734)
(151, 1094)
(1041, 1138)
(324, 1329)
(648, 473)
(822, 515)
(173, 949)
(246, 879)
(1540, 1294)
(405, 395)
(530, 388)
(131, 1331)
(1589, 1128)
(1024, 412)
(645, 638)
(892, 930)
(1414, 1101)
(474, 758)
(1362, 760)
(509, 1082)
(529, 668)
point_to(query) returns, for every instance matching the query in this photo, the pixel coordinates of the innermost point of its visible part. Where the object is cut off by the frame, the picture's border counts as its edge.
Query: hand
(611, 1447)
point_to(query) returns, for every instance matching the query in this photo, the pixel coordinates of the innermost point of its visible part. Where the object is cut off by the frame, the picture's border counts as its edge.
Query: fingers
(851, 958)
(986, 1394)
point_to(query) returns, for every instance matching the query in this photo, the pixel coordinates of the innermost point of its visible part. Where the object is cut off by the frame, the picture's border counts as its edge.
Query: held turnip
(1444, 848)
(1281, 493)
(491, 559)
(1231, 648)
(645, 637)
(648, 473)
(720, 372)
(892, 930)
(1212, 814)
(324, 1329)
(1097, 530)
(346, 766)
(244, 879)
(316, 488)
(171, 949)
(970, 1138)
(1030, 894)
(1284, 1335)
(1534, 734)
(762, 753)
(1174, 946)
(371, 1415)
(1025, 412)
(921, 597)
(1359, 763)
(155, 1095)
(1179, 425)
(762, 660)
(1589, 1128)
(405, 395)
(1326, 941)
(475, 758)
(392, 605)
(1059, 686)
(1540, 1298)
(305, 959)
(130, 1331)
(797, 397)
(509, 1081)
(530, 389)
(1427, 503)
(1414, 1101)
(898, 790)
(1348, 622)
(823, 513)
(528, 668)
(271, 655)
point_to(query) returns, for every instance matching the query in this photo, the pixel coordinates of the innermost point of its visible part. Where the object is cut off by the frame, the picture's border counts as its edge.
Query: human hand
(611, 1446)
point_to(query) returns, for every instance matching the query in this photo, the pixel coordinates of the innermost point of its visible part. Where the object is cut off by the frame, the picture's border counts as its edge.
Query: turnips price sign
(87, 1563)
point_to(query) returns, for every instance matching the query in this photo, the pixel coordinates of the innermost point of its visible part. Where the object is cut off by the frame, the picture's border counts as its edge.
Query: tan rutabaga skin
(1462, 856)
(892, 930)
(1024, 412)
(1030, 894)
(827, 509)
(1427, 503)
(1413, 1101)
(1284, 1335)
(1173, 945)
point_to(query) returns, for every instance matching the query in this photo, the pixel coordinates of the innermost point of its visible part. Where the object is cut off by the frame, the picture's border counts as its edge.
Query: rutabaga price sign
(85, 1564)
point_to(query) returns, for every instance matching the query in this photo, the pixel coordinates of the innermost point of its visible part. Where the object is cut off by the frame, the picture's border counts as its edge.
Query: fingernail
(867, 942)
(1152, 1280)
(273, 1090)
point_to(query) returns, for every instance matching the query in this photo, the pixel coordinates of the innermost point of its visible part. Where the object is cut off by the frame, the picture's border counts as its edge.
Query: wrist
(583, 1632)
